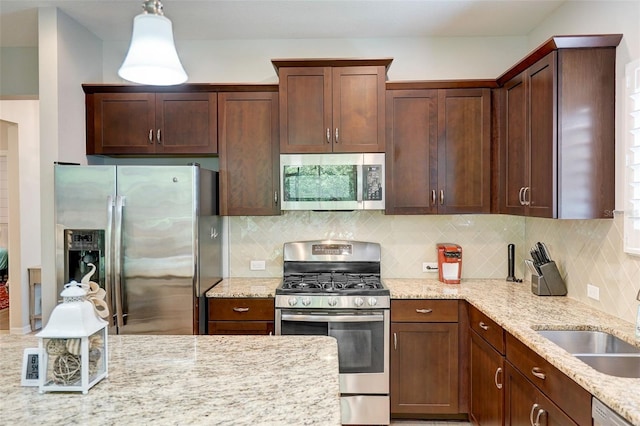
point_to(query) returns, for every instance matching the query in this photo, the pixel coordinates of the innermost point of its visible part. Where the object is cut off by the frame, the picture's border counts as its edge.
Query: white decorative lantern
(73, 345)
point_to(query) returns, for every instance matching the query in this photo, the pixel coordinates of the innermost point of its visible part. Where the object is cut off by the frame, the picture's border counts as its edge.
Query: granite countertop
(170, 380)
(245, 287)
(519, 312)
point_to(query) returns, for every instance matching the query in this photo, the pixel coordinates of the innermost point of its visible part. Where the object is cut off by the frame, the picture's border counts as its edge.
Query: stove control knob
(332, 301)
(358, 301)
(306, 301)
(372, 301)
(293, 301)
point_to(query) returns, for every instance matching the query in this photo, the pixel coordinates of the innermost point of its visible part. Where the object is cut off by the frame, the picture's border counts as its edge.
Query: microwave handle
(360, 186)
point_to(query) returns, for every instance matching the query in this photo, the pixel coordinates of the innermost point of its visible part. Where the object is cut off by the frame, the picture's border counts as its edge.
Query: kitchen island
(208, 380)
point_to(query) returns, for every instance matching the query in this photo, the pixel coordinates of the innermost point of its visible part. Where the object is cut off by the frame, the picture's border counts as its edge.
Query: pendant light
(152, 57)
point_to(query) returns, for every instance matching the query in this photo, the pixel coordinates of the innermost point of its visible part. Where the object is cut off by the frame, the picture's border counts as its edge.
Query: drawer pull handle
(483, 325)
(541, 413)
(395, 341)
(537, 371)
(495, 377)
(241, 309)
(534, 407)
(424, 311)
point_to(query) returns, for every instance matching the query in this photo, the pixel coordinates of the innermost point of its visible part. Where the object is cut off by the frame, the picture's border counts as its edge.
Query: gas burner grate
(331, 281)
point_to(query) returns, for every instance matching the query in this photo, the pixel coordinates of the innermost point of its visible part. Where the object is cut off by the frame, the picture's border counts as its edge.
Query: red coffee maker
(449, 263)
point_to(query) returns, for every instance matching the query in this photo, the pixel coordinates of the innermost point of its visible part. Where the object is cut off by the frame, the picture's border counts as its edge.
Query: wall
(406, 241)
(414, 59)
(19, 72)
(68, 56)
(590, 251)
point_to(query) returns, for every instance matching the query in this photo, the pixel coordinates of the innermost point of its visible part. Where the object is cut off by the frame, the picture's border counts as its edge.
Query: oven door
(363, 344)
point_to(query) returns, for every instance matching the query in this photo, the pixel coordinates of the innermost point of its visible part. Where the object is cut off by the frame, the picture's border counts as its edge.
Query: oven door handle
(333, 318)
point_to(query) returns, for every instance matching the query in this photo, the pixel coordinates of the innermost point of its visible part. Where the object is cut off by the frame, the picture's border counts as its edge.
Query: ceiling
(111, 20)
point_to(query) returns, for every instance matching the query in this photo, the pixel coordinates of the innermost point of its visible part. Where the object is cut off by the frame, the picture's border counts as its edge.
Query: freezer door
(83, 201)
(157, 254)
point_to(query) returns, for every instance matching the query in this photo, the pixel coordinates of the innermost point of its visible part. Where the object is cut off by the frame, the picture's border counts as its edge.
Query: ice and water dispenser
(81, 248)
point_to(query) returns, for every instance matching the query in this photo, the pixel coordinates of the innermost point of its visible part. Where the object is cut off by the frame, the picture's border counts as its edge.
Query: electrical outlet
(258, 265)
(429, 267)
(593, 291)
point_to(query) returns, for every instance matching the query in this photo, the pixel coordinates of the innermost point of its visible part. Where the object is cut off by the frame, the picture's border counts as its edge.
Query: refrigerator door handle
(108, 259)
(118, 260)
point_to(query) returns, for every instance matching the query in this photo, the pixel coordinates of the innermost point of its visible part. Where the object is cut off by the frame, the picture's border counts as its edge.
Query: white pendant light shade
(152, 57)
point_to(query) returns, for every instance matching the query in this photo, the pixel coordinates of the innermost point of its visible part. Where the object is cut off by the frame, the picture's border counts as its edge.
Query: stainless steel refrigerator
(153, 235)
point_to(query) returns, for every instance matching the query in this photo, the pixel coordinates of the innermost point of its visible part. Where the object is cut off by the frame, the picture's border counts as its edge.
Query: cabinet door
(464, 151)
(411, 152)
(305, 110)
(121, 123)
(486, 382)
(424, 368)
(249, 159)
(186, 123)
(543, 145)
(526, 405)
(358, 109)
(513, 146)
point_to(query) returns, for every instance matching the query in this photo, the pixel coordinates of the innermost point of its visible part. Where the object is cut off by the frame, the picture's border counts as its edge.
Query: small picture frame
(31, 367)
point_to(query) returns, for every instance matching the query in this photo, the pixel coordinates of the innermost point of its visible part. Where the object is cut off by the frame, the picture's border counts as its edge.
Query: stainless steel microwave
(332, 181)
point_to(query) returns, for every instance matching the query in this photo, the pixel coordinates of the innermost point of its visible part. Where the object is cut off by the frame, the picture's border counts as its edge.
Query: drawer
(487, 328)
(241, 309)
(242, 327)
(424, 310)
(563, 391)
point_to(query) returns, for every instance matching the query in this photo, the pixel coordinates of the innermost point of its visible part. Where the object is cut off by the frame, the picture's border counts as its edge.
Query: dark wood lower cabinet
(526, 405)
(241, 315)
(486, 383)
(424, 368)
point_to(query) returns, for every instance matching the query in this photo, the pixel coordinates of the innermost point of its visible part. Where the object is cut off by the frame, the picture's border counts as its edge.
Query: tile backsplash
(406, 241)
(590, 252)
(586, 251)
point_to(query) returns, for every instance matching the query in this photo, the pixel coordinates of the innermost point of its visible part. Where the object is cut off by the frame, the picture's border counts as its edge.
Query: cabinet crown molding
(330, 62)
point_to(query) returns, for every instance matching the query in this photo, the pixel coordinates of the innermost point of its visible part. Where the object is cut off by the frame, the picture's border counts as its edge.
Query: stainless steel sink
(614, 365)
(603, 351)
(589, 342)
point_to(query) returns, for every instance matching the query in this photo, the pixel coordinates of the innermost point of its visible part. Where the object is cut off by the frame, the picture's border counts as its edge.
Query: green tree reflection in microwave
(320, 183)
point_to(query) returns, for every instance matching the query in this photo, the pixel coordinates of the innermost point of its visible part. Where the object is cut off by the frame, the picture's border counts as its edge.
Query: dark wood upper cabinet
(123, 123)
(464, 151)
(249, 156)
(412, 151)
(438, 151)
(332, 105)
(557, 133)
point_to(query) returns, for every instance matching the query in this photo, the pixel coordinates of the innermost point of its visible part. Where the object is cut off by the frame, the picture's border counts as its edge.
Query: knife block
(549, 283)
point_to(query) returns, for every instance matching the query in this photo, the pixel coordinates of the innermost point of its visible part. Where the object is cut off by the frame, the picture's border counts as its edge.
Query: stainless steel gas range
(333, 288)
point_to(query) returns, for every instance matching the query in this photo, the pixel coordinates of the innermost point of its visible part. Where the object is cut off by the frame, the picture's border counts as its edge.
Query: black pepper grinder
(511, 260)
